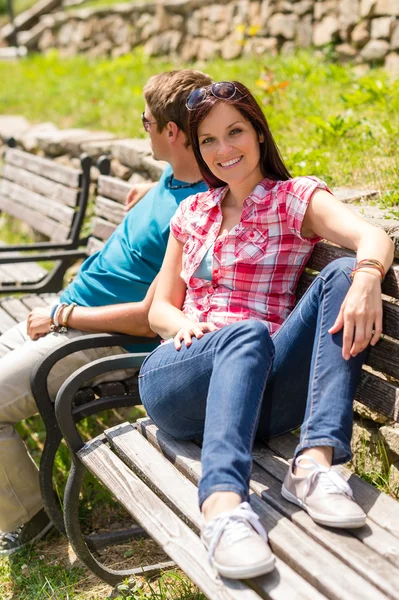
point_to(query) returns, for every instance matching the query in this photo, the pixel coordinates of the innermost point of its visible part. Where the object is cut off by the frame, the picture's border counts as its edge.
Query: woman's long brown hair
(271, 163)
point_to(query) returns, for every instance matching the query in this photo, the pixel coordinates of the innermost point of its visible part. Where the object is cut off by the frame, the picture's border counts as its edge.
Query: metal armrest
(61, 255)
(46, 409)
(66, 394)
(39, 246)
(40, 373)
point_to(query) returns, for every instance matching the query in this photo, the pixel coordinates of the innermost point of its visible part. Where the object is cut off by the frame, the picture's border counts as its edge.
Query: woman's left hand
(360, 315)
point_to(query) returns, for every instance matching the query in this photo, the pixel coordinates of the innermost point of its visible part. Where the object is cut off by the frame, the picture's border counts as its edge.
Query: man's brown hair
(166, 95)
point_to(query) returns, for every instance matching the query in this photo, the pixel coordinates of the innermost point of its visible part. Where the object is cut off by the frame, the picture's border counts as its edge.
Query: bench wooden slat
(307, 557)
(109, 210)
(44, 167)
(15, 308)
(174, 536)
(381, 508)
(379, 395)
(154, 469)
(390, 319)
(8, 278)
(44, 225)
(5, 277)
(114, 189)
(384, 357)
(6, 321)
(157, 472)
(102, 228)
(324, 253)
(22, 273)
(34, 301)
(94, 245)
(56, 211)
(41, 185)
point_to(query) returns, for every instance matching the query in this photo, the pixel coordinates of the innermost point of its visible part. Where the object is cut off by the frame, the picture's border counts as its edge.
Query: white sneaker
(237, 544)
(324, 494)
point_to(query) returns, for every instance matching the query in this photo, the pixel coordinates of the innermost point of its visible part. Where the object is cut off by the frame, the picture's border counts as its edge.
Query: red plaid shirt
(256, 266)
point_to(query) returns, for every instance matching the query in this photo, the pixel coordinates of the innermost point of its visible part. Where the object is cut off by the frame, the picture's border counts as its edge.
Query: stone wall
(360, 30)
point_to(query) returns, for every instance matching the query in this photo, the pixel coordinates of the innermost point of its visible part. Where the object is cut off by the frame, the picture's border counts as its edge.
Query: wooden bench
(154, 477)
(108, 213)
(51, 199)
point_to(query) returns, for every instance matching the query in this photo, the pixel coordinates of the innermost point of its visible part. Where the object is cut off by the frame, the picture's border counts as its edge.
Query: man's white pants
(20, 496)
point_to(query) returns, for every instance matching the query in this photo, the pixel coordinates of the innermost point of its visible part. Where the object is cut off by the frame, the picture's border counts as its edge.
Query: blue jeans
(240, 382)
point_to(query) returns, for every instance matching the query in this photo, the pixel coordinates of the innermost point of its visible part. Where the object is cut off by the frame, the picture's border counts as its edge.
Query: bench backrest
(49, 197)
(108, 210)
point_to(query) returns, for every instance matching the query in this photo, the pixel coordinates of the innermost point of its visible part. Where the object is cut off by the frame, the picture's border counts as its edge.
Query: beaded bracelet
(55, 326)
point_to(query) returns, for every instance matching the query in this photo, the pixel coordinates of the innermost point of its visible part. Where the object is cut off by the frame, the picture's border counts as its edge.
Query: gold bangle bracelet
(369, 270)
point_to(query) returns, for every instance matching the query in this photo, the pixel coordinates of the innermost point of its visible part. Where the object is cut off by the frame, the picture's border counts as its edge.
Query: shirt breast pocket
(191, 246)
(250, 245)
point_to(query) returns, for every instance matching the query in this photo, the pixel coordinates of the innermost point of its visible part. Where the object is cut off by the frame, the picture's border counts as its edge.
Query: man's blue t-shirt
(123, 270)
(125, 267)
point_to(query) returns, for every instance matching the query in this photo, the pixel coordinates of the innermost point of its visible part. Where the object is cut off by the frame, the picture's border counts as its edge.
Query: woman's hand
(39, 322)
(192, 329)
(360, 315)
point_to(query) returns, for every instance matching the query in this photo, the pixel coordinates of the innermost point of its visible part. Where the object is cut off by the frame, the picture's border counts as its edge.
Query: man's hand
(39, 322)
(137, 192)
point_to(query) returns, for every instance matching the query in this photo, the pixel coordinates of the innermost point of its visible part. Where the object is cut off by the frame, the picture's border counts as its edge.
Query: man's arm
(130, 318)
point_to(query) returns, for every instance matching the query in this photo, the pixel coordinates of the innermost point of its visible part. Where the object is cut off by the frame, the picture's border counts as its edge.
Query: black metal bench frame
(68, 523)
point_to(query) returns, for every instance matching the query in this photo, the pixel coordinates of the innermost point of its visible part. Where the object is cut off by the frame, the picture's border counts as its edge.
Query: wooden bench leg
(80, 543)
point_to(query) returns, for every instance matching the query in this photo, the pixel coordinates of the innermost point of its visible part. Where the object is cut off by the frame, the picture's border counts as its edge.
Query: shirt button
(251, 234)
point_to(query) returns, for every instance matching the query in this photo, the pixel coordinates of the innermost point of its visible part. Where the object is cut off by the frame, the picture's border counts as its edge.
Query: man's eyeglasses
(222, 90)
(146, 123)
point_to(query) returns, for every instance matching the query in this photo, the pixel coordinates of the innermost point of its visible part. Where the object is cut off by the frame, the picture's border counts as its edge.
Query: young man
(112, 291)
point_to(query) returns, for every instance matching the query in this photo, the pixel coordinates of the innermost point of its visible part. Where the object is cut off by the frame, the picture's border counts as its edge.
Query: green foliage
(3, 7)
(170, 586)
(325, 117)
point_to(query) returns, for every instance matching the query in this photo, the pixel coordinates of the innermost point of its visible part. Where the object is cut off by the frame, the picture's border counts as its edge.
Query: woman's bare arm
(360, 315)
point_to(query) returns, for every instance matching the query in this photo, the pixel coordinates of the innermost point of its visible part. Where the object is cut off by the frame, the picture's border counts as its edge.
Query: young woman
(239, 364)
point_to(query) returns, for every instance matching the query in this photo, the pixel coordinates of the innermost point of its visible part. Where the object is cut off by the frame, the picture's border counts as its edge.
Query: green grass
(100, 3)
(328, 121)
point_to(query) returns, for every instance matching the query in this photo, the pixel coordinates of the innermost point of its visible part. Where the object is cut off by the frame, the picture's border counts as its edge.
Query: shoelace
(12, 536)
(242, 517)
(331, 481)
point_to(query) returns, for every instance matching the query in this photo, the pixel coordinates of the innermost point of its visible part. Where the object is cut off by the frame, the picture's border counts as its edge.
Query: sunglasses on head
(222, 90)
